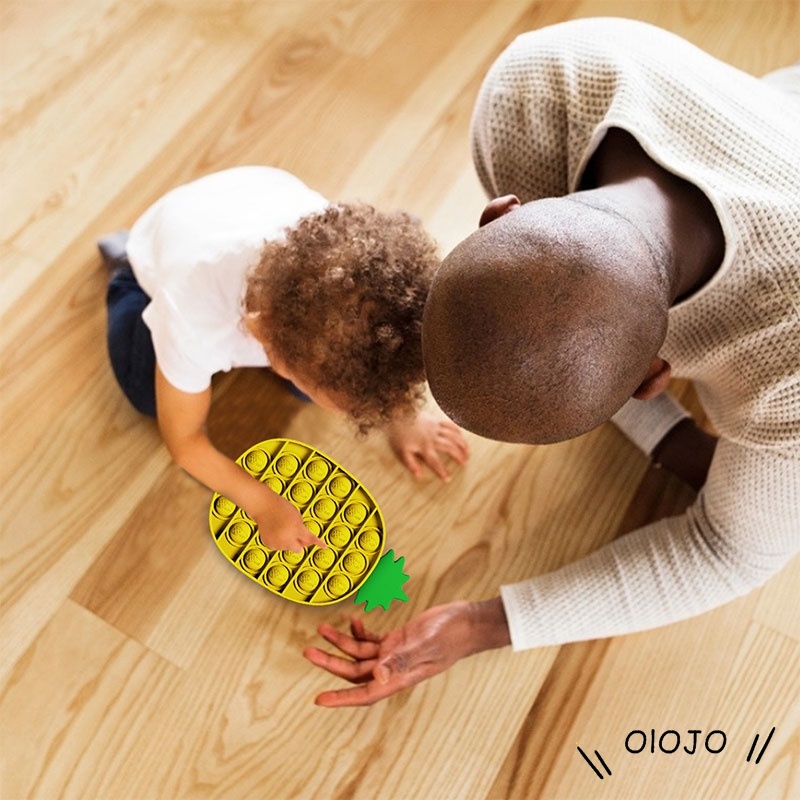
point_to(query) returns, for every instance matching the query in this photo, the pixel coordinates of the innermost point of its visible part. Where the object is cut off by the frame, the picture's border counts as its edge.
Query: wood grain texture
(135, 663)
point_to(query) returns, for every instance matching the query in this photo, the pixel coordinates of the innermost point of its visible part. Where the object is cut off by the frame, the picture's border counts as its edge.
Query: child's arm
(182, 420)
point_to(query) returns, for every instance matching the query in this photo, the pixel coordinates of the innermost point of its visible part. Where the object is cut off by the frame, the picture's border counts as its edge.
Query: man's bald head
(540, 325)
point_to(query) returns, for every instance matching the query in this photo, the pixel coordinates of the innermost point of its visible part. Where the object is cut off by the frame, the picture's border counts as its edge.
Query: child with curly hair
(248, 267)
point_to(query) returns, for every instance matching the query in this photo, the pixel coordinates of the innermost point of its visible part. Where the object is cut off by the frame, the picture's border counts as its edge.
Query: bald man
(645, 222)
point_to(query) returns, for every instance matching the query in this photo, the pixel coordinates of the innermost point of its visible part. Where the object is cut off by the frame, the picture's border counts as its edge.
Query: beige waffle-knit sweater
(544, 107)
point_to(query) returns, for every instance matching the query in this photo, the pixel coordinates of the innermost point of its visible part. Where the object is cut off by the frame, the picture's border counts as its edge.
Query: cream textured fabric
(543, 109)
(647, 422)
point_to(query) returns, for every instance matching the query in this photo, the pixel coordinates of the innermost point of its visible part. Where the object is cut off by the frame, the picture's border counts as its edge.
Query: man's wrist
(686, 451)
(489, 625)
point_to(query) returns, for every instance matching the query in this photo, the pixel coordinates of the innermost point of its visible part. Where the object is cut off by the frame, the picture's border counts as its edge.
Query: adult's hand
(425, 646)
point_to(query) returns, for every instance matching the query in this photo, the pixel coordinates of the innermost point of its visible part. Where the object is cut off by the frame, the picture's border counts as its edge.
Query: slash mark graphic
(600, 758)
(763, 749)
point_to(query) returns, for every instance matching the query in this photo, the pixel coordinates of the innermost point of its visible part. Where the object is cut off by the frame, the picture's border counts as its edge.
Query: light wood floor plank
(136, 663)
(82, 681)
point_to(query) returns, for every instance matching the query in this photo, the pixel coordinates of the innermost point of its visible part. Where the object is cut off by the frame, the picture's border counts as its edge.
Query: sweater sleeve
(744, 526)
(647, 422)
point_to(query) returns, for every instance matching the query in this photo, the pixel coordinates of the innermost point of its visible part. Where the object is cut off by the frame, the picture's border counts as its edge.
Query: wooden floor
(136, 663)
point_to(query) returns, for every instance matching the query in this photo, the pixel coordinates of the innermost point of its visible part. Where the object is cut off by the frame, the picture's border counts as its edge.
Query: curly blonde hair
(340, 300)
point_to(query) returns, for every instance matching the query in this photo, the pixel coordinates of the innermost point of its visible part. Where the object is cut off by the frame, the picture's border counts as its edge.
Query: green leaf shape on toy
(384, 583)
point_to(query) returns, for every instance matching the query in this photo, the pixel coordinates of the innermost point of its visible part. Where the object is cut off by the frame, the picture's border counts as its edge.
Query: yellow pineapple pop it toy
(336, 507)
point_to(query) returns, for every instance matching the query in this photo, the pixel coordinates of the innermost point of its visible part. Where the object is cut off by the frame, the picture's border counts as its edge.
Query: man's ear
(656, 381)
(497, 207)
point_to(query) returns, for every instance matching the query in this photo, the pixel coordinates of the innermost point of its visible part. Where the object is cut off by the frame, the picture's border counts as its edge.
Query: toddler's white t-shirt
(191, 251)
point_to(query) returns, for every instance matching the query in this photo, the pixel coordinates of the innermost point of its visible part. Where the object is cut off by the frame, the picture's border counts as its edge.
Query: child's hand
(420, 440)
(280, 526)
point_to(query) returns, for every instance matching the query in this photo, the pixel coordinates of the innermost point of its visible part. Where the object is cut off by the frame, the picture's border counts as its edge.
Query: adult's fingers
(352, 646)
(364, 695)
(360, 632)
(370, 691)
(353, 671)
